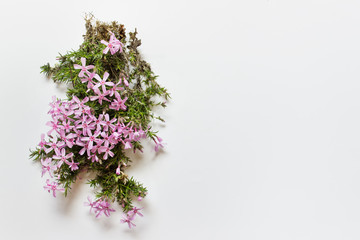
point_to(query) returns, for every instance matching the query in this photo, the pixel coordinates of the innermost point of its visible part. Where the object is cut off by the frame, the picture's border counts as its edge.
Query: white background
(263, 133)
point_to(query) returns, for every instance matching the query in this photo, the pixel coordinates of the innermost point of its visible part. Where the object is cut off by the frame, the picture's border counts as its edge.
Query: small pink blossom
(103, 82)
(135, 211)
(72, 165)
(158, 143)
(91, 139)
(100, 95)
(118, 103)
(84, 68)
(90, 203)
(127, 219)
(53, 187)
(42, 143)
(89, 80)
(113, 45)
(47, 167)
(54, 145)
(107, 150)
(61, 156)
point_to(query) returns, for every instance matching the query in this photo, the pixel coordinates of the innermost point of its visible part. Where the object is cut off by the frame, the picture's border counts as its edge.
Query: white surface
(263, 129)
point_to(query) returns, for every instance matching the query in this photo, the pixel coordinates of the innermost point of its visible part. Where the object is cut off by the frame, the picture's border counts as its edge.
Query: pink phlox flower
(85, 147)
(142, 133)
(84, 68)
(99, 122)
(127, 144)
(62, 156)
(42, 143)
(91, 139)
(69, 139)
(67, 127)
(127, 219)
(107, 150)
(93, 157)
(83, 111)
(113, 45)
(115, 137)
(158, 143)
(135, 211)
(118, 103)
(139, 198)
(56, 107)
(100, 95)
(105, 139)
(103, 82)
(78, 134)
(119, 126)
(115, 89)
(54, 144)
(109, 123)
(79, 104)
(72, 165)
(92, 204)
(89, 80)
(53, 187)
(86, 125)
(100, 207)
(118, 170)
(105, 208)
(47, 167)
(54, 127)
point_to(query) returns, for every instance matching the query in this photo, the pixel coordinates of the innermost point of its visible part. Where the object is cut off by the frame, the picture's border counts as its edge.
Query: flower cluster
(130, 216)
(99, 207)
(91, 130)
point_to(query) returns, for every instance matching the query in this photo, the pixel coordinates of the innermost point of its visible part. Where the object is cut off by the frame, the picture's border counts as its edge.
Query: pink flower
(118, 170)
(89, 80)
(98, 122)
(90, 203)
(61, 156)
(127, 144)
(127, 219)
(100, 96)
(69, 139)
(113, 45)
(72, 165)
(106, 149)
(158, 143)
(104, 206)
(84, 68)
(47, 167)
(100, 207)
(109, 123)
(93, 157)
(118, 103)
(53, 187)
(103, 82)
(115, 89)
(91, 138)
(86, 124)
(105, 139)
(54, 127)
(135, 211)
(42, 143)
(54, 145)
